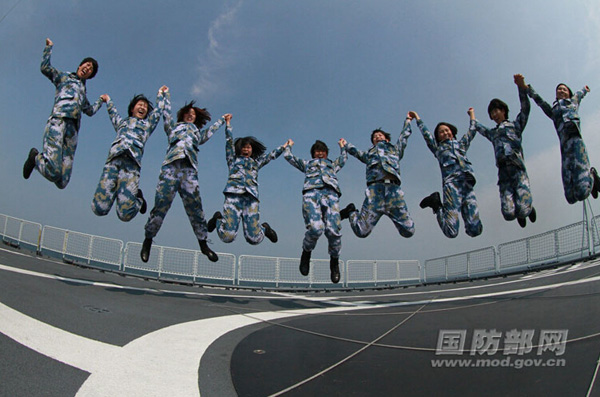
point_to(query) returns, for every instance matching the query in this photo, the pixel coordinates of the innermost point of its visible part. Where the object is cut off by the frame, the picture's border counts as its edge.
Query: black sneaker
(345, 213)
(522, 222)
(270, 233)
(210, 254)
(144, 206)
(305, 263)
(29, 163)
(145, 253)
(596, 184)
(532, 215)
(212, 222)
(433, 201)
(334, 265)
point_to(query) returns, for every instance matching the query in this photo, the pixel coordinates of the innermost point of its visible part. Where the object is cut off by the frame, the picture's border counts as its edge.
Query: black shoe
(433, 201)
(210, 254)
(145, 253)
(334, 265)
(345, 213)
(144, 206)
(29, 163)
(596, 184)
(212, 223)
(270, 233)
(532, 215)
(522, 222)
(305, 263)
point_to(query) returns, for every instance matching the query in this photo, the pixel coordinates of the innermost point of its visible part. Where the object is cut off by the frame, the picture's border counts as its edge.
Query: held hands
(163, 89)
(520, 81)
(289, 143)
(105, 98)
(412, 115)
(342, 142)
(49, 42)
(586, 88)
(227, 117)
(471, 113)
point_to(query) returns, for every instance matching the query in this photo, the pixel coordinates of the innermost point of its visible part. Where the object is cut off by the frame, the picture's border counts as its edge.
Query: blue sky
(303, 70)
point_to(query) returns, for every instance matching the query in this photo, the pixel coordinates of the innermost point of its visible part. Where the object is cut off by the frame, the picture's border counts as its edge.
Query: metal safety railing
(576, 241)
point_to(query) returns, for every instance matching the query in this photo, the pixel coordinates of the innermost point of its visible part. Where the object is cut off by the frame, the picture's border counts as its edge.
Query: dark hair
(94, 66)
(257, 147)
(498, 104)
(202, 115)
(318, 145)
(452, 128)
(135, 100)
(388, 137)
(570, 92)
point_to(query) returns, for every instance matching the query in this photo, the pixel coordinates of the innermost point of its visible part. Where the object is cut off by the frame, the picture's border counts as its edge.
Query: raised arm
(46, 68)
(229, 146)
(523, 116)
(545, 106)
(466, 139)
(403, 138)
(477, 126)
(205, 134)
(428, 136)
(359, 154)
(266, 158)
(292, 159)
(164, 104)
(113, 114)
(341, 161)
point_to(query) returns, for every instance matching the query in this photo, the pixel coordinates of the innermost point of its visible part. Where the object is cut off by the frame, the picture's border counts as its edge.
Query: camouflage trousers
(321, 211)
(177, 177)
(576, 177)
(119, 181)
(459, 196)
(382, 199)
(240, 208)
(515, 192)
(55, 161)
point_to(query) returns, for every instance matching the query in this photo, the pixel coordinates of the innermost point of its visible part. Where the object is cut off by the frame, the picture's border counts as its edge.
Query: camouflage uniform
(55, 162)
(179, 172)
(383, 194)
(515, 192)
(458, 181)
(320, 200)
(121, 174)
(576, 177)
(241, 194)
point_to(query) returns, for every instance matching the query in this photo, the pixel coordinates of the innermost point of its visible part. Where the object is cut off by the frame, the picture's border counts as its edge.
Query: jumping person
(579, 179)
(458, 178)
(179, 172)
(55, 162)
(384, 195)
(121, 174)
(515, 191)
(245, 157)
(320, 202)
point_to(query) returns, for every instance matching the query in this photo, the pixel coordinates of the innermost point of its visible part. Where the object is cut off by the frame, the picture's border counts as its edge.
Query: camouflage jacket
(318, 173)
(70, 99)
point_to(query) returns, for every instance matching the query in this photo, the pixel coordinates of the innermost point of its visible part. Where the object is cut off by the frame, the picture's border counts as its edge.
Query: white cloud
(215, 57)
